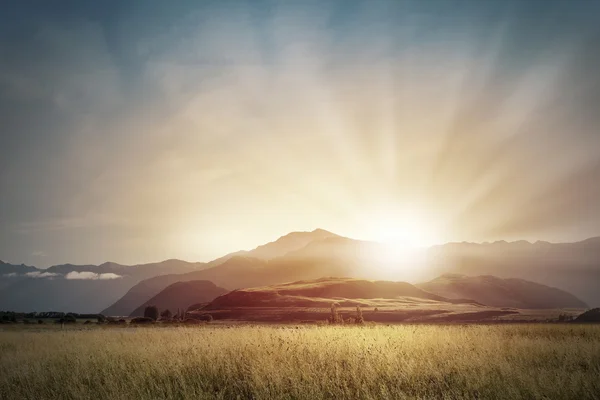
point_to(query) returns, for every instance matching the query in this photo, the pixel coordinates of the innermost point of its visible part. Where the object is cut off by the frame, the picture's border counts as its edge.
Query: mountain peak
(291, 242)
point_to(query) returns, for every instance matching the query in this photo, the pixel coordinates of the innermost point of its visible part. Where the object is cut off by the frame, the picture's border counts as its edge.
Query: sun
(406, 229)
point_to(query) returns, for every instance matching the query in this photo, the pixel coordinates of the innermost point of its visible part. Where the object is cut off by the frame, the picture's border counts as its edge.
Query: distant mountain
(6, 268)
(290, 242)
(77, 288)
(498, 292)
(181, 295)
(574, 267)
(243, 269)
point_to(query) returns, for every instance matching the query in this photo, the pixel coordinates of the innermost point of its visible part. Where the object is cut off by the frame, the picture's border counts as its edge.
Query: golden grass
(285, 362)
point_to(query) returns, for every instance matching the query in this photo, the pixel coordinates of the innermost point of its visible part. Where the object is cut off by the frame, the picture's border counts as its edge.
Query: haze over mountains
(119, 290)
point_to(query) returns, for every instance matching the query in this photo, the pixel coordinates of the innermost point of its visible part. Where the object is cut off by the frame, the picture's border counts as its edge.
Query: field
(502, 361)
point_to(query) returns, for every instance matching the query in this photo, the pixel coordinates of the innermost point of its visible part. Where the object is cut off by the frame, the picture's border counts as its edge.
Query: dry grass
(284, 362)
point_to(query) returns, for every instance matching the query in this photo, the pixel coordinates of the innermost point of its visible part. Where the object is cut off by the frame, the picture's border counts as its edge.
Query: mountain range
(117, 289)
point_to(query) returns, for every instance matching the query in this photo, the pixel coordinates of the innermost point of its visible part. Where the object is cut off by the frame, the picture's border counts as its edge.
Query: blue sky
(144, 130)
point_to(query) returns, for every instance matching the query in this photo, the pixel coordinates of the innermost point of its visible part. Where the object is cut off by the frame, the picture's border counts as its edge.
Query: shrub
(192, 321)
(565, 318)
(101, 319)
(166, 315)
(151, 312)
(142, 320)
(67, 319)
(40, 321)
(205, 317)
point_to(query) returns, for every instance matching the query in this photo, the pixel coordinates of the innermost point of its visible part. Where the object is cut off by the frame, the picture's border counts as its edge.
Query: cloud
(11, 275)
(88, 275)
(38, 274)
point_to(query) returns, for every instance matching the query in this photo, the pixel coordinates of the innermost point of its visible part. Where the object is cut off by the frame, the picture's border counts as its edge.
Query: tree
(335, 317)
(166, 315)
(359, 316)
(151, 312)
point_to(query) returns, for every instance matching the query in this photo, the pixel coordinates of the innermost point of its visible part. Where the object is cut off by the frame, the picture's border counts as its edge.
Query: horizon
(403, 246)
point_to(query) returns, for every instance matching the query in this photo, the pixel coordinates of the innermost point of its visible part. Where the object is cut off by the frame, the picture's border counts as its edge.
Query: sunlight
(407, 229)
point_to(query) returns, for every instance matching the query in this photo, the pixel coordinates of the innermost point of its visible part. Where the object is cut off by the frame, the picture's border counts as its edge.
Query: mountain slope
(78, 288)
(498, 292)
(573, 267)
(323, 290)
(244, 269)
(182, 295)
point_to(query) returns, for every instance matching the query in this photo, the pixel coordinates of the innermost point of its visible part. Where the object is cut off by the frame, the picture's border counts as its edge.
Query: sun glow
(403, 238)
(407, 229)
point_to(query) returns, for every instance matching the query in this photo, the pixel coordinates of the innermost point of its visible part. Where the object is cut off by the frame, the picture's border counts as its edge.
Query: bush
(67, 319)
(101, 319)
(142, 320)
(565, 318)
(40, 321)
(205, 317)
(151, 312)
(166, 315)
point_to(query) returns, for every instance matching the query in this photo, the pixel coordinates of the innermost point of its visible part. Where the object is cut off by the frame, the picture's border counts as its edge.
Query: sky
(138, 131)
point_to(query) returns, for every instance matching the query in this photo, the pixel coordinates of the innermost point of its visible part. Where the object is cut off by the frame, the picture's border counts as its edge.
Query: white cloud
(88, 275)
(11, 275)
(38, 274)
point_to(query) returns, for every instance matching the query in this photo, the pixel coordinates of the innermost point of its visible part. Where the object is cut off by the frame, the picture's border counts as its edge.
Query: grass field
(302, 362)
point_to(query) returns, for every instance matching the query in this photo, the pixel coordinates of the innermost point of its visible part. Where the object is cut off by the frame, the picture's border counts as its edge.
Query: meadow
(503, 361)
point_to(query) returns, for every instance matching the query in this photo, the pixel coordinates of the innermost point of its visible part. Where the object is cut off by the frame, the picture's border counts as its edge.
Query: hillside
(77, 288)
(498, 292)
(573, 267)
(311, 300)
(181, 295)
(321, 292)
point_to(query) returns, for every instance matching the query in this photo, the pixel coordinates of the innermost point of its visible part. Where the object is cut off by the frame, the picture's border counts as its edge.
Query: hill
(321, 292)
(383, 301)
(181, 295)
(498, 292)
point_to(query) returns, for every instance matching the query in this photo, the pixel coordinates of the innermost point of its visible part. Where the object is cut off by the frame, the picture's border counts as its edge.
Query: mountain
(290, 242)
(573, 267)
(77, 288)
(182, 295)
(244, 269)
(498, 292)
